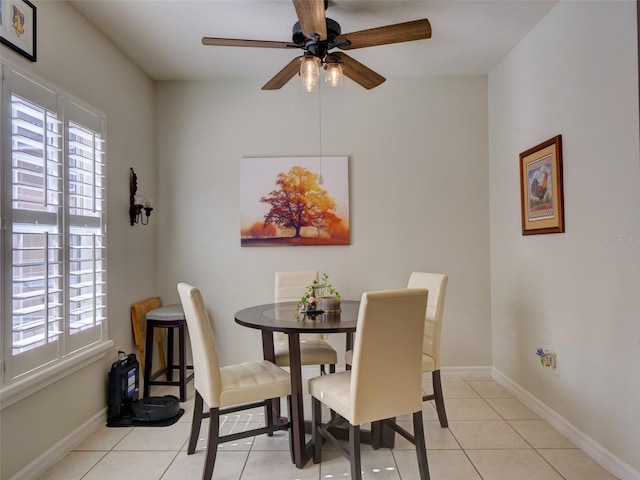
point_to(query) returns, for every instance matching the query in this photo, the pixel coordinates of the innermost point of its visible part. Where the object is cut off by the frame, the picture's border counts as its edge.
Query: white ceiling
(164, 36)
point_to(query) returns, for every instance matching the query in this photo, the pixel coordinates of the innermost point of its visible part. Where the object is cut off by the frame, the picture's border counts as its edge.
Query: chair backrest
(386, 374)
(139, 312)
(436, 283)
(206, 367)
(290, 287)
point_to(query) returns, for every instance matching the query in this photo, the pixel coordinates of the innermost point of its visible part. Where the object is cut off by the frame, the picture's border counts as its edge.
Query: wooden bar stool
(169, 317)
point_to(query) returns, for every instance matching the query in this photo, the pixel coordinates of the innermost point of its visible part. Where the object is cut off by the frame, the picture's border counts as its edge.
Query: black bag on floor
(124, 408)
(124, 381)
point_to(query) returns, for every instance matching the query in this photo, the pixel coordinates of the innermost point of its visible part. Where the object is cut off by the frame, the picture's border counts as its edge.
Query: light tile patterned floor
(491, 436)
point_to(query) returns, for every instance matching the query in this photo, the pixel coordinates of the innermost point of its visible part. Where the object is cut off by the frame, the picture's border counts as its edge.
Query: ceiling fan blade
(359, 73)
(231, 42)
(311, 17)
(399, 32)
(284, 75)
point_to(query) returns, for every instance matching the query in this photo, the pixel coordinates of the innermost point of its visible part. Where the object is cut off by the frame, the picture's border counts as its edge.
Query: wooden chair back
(139, 312)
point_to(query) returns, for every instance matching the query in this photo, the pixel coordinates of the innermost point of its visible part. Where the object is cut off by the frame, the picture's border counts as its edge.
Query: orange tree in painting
(298, 201)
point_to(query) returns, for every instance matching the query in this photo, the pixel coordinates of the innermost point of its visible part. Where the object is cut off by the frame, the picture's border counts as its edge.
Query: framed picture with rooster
(541, 192)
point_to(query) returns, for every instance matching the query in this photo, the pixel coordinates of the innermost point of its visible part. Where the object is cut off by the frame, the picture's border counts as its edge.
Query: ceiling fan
(318, 35)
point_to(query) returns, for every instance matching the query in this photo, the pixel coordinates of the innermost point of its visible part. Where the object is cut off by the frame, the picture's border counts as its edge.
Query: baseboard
(466, 372)
(56, 453)
(604, 457)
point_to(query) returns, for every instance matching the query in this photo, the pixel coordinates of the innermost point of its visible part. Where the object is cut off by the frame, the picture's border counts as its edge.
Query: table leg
(349, 340)
(268, 353)
(349, 346)
(297, 409)
(268, 348)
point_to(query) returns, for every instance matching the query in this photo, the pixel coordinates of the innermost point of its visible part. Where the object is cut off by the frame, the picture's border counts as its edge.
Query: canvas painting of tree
(294, 201)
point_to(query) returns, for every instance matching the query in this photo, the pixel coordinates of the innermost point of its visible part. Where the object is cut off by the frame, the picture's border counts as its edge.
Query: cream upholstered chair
(385, 380)
(226, 389)
(436, 283)
(290, 286)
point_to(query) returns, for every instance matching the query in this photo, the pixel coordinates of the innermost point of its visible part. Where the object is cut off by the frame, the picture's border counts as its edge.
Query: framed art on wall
(294, 201)
(18, 26)
(541, 191)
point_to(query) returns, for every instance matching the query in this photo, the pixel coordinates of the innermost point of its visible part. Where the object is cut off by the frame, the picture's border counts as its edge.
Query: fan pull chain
(320, 180)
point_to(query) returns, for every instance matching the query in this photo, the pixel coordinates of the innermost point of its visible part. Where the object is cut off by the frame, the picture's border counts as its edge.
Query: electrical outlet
(556, 365)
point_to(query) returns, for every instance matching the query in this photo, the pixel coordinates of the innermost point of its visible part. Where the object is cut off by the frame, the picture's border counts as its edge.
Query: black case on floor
(124, 381)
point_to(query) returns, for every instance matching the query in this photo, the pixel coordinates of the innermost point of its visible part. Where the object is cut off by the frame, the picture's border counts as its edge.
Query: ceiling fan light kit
(317, 35)
(333, 74)
(309, 72)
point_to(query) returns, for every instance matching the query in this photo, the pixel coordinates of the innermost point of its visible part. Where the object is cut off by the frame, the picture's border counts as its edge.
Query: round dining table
(284, 317)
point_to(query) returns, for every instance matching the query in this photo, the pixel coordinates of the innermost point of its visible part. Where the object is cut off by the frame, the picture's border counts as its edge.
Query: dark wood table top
(283, 317)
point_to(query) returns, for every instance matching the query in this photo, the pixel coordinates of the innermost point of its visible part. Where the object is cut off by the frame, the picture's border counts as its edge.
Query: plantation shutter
(54, 185)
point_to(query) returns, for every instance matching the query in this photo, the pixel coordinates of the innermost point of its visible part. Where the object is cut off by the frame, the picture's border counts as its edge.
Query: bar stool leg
(183, 362)
(148, 356)
(170, 317)
(170, 353)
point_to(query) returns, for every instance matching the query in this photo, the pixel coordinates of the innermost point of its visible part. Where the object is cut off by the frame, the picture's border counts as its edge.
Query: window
(53, 193)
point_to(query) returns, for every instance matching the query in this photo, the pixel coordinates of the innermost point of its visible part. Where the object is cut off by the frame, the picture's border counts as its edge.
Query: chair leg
(277, 408)
(195, 423)
(316, 423)
(421, 447)
(354, 451)
(212, 443)
(269, 414)
(332, 369)
(439, 399)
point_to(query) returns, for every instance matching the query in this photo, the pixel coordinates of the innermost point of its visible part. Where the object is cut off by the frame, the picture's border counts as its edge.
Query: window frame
(73, 350)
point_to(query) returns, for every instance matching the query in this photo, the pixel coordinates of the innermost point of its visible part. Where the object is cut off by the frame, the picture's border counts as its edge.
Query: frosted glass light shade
(310, 73)
(333, 76)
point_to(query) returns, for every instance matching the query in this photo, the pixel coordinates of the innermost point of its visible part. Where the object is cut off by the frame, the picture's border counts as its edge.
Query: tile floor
(491, 436)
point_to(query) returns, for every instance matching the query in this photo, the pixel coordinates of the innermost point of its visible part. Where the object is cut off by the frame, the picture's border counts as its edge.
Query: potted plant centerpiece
(320, 296)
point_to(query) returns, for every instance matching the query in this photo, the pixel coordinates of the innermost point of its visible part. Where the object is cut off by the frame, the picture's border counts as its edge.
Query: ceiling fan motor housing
(314, 46)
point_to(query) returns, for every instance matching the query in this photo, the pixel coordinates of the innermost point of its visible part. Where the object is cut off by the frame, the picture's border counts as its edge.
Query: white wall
(77, 59)
(575, 74)
(417, 152)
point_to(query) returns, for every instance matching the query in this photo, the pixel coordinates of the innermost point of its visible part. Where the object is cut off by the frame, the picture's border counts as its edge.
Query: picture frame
(294, 201)
(18, 27)
(541, 188)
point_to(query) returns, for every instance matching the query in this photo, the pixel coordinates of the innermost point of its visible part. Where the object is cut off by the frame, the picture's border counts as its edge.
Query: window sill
(16, 391)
